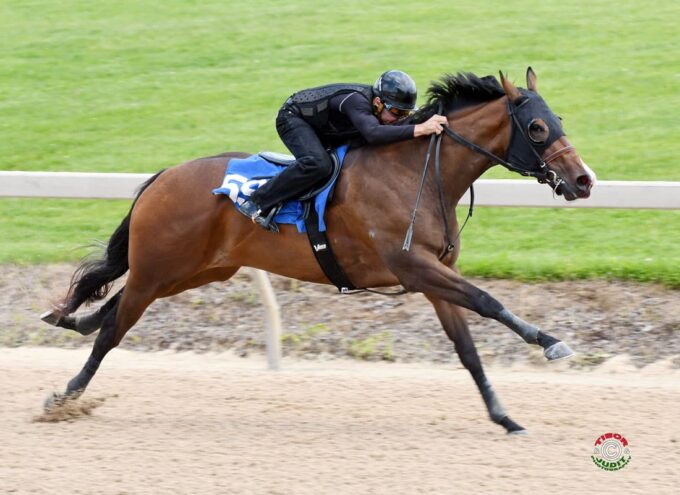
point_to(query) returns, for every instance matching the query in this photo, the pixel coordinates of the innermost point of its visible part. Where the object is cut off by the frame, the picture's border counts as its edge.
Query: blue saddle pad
(244, 175)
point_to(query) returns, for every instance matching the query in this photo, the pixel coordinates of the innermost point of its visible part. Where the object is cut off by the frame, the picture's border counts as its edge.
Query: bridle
(541, 172)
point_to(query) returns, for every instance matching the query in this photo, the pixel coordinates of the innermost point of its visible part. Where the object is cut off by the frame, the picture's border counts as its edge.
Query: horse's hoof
(53, 400)
(511, 427)
(559, 350)
(52, 317)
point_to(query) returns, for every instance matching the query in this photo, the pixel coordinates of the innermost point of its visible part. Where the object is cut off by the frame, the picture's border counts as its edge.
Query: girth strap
(321, 247)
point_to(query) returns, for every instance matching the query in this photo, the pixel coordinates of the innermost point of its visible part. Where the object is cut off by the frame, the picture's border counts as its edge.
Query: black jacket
(343, 114)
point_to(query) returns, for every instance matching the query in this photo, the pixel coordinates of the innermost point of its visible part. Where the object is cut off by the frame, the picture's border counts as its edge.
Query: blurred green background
(135, 86)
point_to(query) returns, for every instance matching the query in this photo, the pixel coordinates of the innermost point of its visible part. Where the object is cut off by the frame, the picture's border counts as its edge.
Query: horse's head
(539, 147)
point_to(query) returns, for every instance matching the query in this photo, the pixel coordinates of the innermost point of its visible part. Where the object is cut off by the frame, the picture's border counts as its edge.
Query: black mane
(453, 92)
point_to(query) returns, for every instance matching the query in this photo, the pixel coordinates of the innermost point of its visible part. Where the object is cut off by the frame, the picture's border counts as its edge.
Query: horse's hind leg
(91, 322)
(85, 324)
(456, 329)
(128, 306)
(121, 317)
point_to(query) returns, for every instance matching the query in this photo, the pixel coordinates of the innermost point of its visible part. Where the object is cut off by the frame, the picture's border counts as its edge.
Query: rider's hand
(433, 125)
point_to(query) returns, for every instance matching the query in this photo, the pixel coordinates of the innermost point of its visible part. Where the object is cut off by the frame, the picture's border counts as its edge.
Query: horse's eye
(538, 131)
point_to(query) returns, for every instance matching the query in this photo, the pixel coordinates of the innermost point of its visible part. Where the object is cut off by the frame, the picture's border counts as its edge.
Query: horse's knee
(411, 283)
(485, 304)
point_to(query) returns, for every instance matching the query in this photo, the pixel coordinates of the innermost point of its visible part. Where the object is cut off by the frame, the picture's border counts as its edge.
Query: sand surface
(213, 423)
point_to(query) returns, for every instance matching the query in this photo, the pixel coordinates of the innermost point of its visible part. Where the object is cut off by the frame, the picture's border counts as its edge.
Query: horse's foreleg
(85, 324)
(431, 277)
(457, 330)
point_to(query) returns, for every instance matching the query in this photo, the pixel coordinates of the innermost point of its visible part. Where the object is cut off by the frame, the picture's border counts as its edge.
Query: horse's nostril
(584, 181)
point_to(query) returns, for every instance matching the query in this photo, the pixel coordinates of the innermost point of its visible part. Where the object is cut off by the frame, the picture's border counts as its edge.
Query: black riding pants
(312, 163)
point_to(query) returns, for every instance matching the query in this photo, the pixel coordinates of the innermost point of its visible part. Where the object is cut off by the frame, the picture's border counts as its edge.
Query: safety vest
(313, 103)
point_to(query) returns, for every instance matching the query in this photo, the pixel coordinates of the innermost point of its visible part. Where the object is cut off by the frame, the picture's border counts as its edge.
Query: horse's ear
(510, 89)
(531, 80)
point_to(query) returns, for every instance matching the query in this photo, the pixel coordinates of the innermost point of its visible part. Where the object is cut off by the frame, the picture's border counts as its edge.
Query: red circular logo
(611, 452)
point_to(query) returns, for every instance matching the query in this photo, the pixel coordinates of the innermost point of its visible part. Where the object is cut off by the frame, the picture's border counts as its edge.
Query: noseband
(553, 179)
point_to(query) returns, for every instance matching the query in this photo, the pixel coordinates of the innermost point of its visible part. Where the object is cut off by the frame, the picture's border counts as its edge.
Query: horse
(178, 236)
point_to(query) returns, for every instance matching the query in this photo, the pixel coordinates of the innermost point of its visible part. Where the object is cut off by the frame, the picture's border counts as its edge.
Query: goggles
(397, 112)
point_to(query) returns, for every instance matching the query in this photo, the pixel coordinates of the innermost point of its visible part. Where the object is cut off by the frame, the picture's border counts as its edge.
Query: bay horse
(178, 235)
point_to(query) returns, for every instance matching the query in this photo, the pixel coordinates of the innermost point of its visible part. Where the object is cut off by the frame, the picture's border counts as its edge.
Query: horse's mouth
(561, 190)
(570, 194)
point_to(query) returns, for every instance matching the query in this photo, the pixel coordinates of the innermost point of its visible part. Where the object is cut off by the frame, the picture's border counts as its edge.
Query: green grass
(41, 230)
(572, 244)
(134, 86)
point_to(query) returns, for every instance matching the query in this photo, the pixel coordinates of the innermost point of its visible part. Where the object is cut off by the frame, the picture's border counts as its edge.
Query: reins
(450, 244)
(409, 233)
(542, 175)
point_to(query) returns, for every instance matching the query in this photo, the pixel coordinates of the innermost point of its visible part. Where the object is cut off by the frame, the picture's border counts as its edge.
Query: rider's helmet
(396, 90)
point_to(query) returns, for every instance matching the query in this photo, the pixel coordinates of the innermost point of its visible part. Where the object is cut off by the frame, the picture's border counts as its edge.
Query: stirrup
(249, 209)
(267, 222)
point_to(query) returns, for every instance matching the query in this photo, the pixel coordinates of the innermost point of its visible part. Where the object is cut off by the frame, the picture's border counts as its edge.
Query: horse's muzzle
(584, 183)
(579, 190)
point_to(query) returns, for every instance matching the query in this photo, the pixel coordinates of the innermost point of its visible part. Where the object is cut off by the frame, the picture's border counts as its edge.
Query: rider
(313, 120)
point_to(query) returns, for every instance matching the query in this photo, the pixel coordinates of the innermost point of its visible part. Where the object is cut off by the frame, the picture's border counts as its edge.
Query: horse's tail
(93, 279)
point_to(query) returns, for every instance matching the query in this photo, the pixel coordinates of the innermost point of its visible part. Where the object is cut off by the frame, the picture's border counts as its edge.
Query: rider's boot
(266, 221)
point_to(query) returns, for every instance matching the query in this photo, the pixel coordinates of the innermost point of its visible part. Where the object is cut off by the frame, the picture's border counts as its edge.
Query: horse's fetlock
(545, 340)
(497, 417)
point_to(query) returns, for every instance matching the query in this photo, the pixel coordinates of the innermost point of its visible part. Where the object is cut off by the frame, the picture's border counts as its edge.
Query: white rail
(489, 192)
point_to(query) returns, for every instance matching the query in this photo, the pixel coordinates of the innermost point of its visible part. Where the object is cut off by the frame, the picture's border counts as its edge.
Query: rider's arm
(358, 110)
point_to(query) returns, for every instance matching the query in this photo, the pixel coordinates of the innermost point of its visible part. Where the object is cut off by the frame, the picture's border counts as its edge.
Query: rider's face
(389, 114)
(387, 117)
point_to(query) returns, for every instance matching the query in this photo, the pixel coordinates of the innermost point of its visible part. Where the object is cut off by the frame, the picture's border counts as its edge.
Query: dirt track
(213, 423)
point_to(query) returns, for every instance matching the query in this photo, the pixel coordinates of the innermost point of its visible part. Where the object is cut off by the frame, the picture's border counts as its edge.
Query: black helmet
(396, 89)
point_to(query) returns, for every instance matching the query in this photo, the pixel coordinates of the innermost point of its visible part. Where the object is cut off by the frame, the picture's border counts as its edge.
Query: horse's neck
(486, 125)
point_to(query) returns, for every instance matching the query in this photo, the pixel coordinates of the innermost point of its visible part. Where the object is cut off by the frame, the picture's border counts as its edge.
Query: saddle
(243, 176)
(321, 247)
(287, 160)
